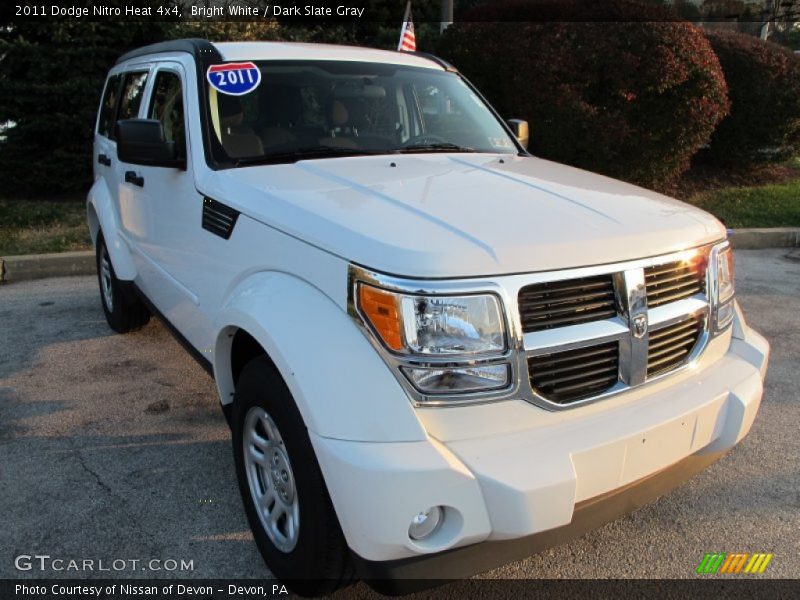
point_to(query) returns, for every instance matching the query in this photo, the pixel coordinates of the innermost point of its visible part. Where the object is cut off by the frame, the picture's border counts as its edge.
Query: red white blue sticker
(234, 79)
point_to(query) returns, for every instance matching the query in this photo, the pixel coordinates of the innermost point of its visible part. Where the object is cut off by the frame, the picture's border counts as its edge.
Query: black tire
(320, 562)
(126, 311)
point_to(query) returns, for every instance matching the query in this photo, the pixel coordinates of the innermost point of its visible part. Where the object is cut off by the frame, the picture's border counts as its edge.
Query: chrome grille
(670, 346)
(561, 303)
(675, 280)
(564, 377)
(600, 332)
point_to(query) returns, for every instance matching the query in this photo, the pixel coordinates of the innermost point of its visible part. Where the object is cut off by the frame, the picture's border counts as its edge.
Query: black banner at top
(320, 12)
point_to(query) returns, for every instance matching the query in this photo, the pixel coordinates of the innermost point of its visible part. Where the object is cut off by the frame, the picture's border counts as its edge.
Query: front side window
(314, 109)
(166, 106)
(108, 107)
(132, 92)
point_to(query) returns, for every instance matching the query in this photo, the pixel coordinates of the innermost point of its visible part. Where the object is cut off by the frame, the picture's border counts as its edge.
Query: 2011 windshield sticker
(234, 79)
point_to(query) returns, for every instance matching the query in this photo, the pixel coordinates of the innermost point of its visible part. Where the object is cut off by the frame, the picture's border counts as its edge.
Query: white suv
(437, 353)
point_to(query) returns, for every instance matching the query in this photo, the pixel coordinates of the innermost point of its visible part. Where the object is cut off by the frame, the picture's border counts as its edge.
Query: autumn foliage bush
(764, 88)
(629, 91)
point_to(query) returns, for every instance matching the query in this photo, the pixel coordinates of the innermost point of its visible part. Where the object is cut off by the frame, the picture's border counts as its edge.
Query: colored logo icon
(743, 562)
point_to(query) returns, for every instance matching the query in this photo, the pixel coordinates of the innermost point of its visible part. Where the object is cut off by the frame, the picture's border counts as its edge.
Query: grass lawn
(773, 205)
(766, 195)
(33, 227)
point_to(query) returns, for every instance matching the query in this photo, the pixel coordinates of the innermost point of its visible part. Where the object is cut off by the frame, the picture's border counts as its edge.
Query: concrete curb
(38, 266)
(772, 237)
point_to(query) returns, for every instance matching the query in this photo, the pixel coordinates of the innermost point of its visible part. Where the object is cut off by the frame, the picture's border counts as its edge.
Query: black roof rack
(202, 50)
(439, 61)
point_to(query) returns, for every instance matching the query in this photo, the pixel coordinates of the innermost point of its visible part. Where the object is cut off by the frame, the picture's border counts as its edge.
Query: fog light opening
(426, 523)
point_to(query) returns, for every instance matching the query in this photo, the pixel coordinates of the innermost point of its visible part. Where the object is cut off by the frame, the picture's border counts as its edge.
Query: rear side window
(167, 106)
(132, 92)
(108, 107)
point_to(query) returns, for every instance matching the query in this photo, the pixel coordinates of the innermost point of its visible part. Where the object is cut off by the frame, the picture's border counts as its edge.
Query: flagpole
(405, 25)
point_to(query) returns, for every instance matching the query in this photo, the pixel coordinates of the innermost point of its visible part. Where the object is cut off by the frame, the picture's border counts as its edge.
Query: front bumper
(520, 479)
(406, 575)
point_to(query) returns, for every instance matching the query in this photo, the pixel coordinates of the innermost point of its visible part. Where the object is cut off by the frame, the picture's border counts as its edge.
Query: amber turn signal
(381, 309)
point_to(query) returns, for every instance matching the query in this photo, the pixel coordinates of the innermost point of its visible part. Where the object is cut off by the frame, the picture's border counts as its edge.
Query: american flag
(408, 41)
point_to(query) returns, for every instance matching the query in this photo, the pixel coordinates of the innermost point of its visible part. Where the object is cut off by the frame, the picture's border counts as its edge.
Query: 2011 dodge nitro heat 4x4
(437, 353)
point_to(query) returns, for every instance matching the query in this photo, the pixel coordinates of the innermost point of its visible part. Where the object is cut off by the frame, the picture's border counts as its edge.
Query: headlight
(723, 286)
(424, 330)
(434, 325)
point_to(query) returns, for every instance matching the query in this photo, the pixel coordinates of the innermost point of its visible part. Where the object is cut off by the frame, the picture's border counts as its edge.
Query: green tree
(793, 37)
(764, 86)
(633, 94)
(52, 77)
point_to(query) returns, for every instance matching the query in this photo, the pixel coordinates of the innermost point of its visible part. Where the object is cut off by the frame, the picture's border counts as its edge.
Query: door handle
(104, 159)
(132, 177)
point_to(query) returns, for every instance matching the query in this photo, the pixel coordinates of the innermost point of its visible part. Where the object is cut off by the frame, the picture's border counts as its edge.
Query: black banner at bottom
(485, 589)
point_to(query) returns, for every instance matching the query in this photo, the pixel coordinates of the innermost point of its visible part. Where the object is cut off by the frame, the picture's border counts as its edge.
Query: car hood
(462, 215)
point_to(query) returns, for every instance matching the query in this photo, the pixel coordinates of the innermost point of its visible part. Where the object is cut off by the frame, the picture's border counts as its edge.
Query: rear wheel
(283, 491)
(123, 309)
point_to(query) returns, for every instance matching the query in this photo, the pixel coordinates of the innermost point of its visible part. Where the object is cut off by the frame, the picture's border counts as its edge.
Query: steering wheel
(424, 139)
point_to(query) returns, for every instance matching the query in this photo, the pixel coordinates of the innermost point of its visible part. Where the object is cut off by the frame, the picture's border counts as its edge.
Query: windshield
(317, 109)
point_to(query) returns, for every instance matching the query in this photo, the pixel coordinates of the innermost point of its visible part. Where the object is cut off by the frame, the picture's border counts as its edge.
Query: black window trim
(114, 111)
(172, 67)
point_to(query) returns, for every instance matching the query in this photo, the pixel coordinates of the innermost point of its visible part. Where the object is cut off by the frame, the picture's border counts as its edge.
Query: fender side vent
(218, 218)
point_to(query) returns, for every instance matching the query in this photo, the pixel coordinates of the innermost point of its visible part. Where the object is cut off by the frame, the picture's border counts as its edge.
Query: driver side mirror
(520, 129)
(142, 142)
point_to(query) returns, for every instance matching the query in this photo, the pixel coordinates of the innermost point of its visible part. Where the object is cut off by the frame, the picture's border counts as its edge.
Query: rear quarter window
(108, 106)
(132, 93)
(166, 105)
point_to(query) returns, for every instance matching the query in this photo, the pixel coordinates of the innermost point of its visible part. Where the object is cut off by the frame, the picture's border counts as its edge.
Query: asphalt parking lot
(115, 447)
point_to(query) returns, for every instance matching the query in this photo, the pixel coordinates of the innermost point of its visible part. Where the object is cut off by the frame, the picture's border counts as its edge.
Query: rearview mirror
(368, 91)
(141, 142)
(520, 129)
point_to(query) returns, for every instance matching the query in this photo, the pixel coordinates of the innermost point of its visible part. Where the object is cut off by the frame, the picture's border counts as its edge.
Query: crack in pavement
(154, 543)
(93, 473)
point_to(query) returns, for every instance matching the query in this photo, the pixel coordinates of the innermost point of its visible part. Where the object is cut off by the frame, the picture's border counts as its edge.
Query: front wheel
(283, 491)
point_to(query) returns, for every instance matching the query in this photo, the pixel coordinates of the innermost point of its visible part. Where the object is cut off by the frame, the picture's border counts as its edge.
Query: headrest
(339, 114)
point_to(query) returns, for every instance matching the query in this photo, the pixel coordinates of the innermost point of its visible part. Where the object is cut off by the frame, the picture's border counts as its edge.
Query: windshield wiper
(291, 156)
(311, 152)
(435, 147)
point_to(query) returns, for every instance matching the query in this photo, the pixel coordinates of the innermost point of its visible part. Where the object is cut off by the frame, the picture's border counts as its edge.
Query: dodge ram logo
(639, 326)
